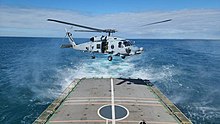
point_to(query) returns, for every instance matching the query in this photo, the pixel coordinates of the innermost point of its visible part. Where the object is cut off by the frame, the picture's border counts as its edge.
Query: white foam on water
(102, 68)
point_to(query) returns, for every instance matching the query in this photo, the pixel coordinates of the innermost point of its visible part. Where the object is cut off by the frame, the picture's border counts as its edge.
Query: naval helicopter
(113, 46)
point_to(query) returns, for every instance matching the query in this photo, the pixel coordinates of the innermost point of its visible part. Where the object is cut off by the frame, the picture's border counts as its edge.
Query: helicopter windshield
(127, 43)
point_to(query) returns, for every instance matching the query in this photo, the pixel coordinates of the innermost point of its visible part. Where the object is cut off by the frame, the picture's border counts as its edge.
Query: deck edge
(49, 111)
(171, 107)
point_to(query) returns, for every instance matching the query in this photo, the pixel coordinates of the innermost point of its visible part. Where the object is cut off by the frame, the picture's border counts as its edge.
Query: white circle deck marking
(121, 112)
(113, 112)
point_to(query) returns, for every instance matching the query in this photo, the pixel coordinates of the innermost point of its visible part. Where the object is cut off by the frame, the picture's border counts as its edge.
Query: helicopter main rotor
(91, 29)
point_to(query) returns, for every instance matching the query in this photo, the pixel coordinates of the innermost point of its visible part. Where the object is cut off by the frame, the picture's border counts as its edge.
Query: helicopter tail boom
(71, 39)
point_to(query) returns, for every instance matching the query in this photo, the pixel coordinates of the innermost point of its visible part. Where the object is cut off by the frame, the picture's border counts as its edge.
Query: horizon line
(113, 36)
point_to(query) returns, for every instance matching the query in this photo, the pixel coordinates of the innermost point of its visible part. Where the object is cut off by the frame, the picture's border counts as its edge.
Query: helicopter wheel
(123, 57)
(93, 57)
(109, 58)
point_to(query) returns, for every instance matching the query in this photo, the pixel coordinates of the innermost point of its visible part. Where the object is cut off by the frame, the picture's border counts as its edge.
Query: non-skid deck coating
(87, 96)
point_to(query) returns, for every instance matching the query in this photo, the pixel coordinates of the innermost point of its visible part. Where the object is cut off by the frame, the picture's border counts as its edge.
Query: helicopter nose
(141, 49)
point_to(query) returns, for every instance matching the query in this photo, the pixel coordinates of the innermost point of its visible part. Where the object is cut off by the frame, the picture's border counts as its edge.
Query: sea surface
(34, 71)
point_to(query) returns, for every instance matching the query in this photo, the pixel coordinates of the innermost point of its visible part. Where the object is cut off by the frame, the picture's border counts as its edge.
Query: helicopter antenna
(91, 29)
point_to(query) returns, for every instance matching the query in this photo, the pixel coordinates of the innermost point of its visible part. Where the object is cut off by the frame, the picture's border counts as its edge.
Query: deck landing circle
(105, 112)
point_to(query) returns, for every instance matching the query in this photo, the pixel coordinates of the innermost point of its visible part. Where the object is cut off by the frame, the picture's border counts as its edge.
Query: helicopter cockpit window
(127, 43)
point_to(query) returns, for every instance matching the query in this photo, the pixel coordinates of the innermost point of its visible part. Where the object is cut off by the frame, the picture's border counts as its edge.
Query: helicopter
(113, 46)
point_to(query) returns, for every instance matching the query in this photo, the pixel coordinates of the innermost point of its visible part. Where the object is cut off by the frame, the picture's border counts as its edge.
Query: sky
(191, 19)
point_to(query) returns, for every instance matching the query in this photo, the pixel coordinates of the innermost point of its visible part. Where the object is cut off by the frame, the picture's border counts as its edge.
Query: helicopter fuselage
(107, 45)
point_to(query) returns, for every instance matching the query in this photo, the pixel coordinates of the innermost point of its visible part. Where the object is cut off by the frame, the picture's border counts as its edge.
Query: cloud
(198, 23)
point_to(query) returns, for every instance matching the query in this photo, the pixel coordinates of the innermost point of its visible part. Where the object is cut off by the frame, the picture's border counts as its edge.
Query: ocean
(34, 71)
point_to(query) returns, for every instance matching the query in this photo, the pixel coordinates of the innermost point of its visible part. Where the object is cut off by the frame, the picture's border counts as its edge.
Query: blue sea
(34, 71)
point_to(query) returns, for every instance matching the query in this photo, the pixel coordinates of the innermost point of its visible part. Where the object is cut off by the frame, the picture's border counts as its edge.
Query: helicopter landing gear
(93, 57)
(123, 57)
(109, 58)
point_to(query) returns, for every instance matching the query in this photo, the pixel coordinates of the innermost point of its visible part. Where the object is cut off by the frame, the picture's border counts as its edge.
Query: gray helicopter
(114, 46)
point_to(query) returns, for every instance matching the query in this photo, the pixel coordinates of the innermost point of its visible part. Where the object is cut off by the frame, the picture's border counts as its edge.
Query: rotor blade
(77, 25)
(158, 22)
(86, 31)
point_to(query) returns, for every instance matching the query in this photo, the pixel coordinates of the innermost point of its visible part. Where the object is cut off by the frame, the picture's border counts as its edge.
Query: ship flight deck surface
(112, 101)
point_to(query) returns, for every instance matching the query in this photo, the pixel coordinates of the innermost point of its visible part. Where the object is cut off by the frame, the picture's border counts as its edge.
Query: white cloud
(200, 23)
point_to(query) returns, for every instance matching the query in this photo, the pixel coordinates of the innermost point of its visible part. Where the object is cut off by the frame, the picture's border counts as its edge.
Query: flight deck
(113, 101)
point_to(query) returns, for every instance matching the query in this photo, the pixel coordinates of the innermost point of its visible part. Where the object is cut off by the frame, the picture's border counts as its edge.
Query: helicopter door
(104, 46)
